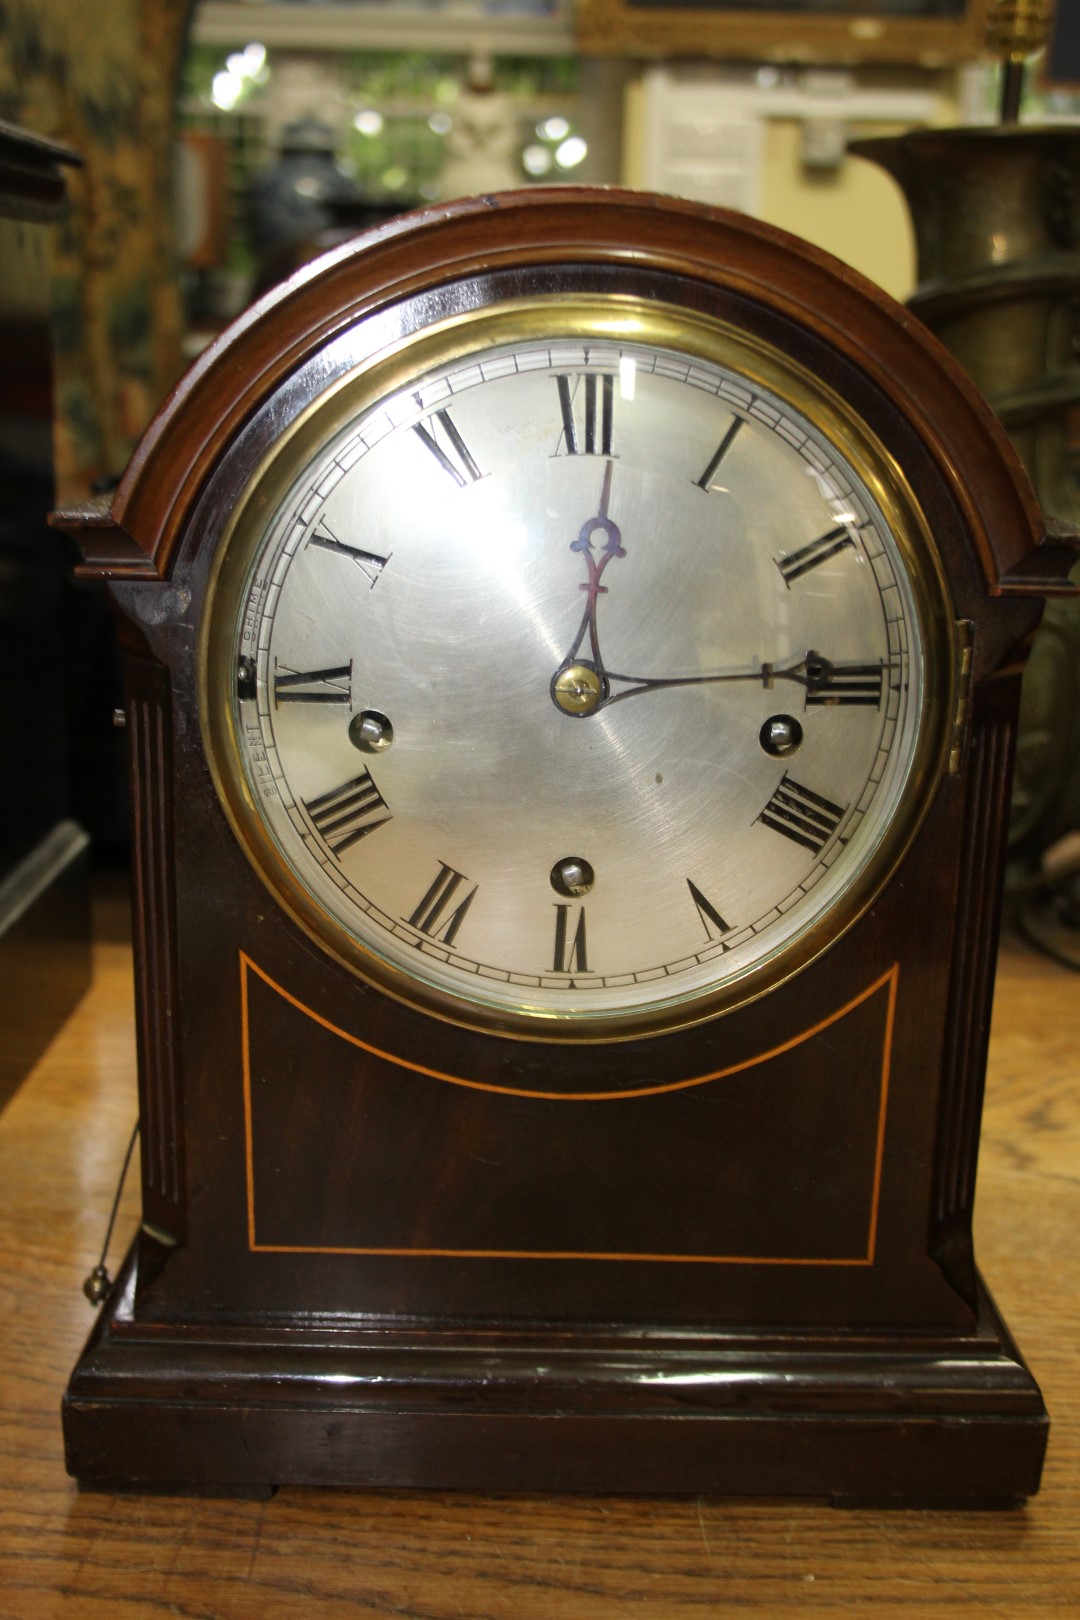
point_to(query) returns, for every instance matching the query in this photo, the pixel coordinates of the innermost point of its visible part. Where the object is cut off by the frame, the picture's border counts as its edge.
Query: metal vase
(996, 214)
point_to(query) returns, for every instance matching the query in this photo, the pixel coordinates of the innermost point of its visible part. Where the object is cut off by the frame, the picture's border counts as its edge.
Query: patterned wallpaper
(100, 75)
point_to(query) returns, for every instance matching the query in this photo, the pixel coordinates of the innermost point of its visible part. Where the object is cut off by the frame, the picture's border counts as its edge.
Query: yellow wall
(855, 211)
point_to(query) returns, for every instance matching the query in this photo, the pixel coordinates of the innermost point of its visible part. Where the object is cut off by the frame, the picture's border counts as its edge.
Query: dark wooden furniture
(295, 1311)
(44, 916)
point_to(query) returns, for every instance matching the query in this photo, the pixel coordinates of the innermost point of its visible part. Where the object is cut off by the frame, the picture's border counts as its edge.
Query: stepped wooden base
(901, 1420)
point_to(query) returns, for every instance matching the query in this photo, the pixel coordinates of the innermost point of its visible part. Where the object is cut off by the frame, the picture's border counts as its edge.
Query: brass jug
(996, 214)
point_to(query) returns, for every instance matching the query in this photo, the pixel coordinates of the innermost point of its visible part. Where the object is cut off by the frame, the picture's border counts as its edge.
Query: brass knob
(1018, 28)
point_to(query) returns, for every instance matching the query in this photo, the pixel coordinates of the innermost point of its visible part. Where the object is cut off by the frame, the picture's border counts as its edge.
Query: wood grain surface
(311, 1553)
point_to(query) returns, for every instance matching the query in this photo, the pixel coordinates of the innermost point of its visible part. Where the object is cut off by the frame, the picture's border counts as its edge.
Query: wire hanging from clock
(98, 1285)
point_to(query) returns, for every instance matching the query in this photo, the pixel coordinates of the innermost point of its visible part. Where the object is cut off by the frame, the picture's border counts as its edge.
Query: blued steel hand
(613, 547)
(854, 683)
(580, 688)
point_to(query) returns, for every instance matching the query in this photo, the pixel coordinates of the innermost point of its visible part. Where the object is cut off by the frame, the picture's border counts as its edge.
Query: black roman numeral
(448, 448)
(812, 556)
(571, 954)
(705, 481)
(802, 815)
(369, 563)
(434, 915)
(595, 434)
(313, 685)
(848, 685)
(707, 912)
(343, 816)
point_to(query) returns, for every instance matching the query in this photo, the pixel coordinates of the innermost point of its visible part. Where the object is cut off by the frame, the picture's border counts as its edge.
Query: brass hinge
(965, 642)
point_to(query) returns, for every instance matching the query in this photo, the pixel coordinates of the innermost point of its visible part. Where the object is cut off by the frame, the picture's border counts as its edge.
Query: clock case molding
(799, 1313)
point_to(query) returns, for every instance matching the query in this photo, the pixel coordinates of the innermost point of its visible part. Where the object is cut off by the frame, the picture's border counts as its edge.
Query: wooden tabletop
(308, 1553)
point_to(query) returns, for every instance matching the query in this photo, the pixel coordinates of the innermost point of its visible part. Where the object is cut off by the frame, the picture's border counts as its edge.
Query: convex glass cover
(567, 668)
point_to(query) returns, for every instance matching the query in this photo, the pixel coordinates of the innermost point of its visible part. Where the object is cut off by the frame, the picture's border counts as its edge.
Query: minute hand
(823, 680)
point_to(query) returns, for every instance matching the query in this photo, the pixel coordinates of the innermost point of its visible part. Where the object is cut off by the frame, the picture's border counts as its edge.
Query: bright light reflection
(724, 1377)
(572, 152)
(248, 65)
(553, 129)
(826, 488)
(501, 547)
(226, 90)
(537, 159)
(368, 122)
(627, 376)
(498, 542)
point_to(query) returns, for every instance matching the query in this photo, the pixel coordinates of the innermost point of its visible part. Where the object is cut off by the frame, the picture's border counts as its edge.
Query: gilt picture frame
(929, 32)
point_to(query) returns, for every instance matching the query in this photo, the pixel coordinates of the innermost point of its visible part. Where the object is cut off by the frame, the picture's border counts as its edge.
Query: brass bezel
(572, 316)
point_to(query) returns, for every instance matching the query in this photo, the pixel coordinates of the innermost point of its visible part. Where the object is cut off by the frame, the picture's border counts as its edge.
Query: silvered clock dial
(567, 671)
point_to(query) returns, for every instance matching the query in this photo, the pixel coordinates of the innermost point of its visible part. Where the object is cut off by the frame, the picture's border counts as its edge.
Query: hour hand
(612, 547)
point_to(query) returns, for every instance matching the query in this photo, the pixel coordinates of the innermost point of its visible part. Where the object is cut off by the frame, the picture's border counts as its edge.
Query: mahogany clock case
(382, 1248)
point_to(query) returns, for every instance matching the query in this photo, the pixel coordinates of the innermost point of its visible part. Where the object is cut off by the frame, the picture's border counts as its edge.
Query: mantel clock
(572, 655)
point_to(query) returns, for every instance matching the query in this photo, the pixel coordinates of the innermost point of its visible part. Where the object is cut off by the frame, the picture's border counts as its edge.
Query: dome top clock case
(571, 655)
